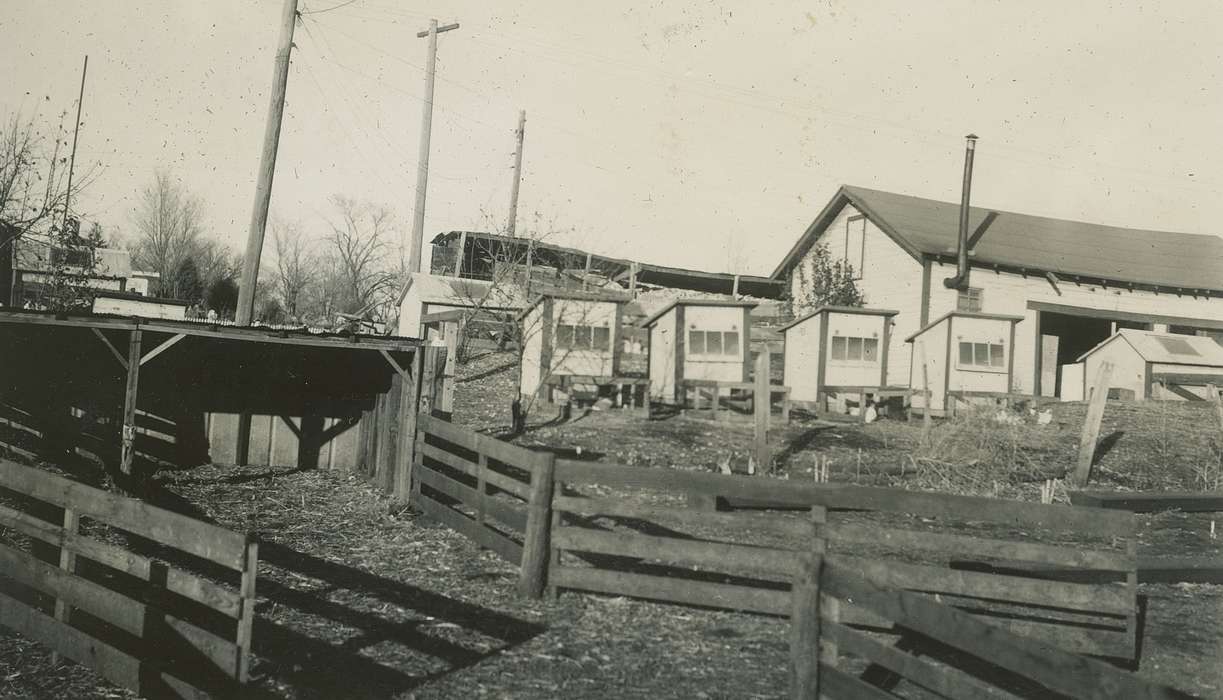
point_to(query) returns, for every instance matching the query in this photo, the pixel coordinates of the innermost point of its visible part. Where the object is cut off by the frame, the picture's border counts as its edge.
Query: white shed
(698, 339)
(1156, 365)
(571, 335)
(963, 351)
(836, 349)
(426, 294)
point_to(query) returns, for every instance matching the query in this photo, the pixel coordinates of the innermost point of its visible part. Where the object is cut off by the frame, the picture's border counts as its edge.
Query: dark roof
(927, 227)
(861, 311)
(694, 302)
(964, 314)
(647, 273)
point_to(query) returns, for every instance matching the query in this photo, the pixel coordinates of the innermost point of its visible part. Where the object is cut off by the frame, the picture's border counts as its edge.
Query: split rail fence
(152, 600)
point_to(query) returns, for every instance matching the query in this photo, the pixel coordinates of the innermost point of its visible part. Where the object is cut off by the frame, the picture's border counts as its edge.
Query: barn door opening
(1063, 338)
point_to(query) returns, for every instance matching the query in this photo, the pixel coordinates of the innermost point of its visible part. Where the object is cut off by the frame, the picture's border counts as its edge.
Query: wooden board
(701, 593)
(1138, 502)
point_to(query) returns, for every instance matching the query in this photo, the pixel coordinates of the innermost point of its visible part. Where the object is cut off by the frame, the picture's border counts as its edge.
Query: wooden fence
(492, 492)
(148, 620)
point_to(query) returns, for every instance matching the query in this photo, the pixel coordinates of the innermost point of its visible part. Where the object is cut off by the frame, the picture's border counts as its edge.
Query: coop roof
(457, 291)
(729, 303)
(927, 227)
(1167, 348)
(964, 314)
(578, 295)
(838, 310)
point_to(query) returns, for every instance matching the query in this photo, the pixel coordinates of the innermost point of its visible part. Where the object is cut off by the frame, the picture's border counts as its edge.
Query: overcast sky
(696, 133)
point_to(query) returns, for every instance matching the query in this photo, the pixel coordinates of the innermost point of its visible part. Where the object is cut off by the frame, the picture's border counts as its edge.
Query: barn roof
(927, 227)
(1167, 348)
(861, 311)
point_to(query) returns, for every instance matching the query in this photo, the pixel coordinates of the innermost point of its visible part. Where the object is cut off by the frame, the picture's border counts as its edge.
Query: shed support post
(760, 405)
(127, 450)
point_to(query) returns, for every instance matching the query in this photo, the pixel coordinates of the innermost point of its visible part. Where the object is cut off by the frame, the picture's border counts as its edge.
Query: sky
(694, 133)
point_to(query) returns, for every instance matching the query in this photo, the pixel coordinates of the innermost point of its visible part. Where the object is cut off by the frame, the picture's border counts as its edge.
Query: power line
(329, 9)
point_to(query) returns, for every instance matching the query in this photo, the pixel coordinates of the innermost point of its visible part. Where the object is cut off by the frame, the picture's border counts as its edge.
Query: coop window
(721, 343)
(575, 337)
(990, 355)
(1177, 346)
(971, 299)
(854, 349)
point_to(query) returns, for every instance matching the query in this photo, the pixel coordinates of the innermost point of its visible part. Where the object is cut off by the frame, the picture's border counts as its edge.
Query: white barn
(1141, 359)
(571, 334)
(963, 351)
(838, 347)
(701, 339)
(1073, 283)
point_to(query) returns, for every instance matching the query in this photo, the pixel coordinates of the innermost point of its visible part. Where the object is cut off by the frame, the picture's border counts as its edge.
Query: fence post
(409, 412)
(805, 617)
(535, 547)
(1091, 424)
(67, 562)
(246, 619)
(760, 404)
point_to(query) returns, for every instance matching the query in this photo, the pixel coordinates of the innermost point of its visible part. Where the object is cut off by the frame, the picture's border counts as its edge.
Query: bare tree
(360, 244)
(33, 179)
(295, 265)
(168, 228)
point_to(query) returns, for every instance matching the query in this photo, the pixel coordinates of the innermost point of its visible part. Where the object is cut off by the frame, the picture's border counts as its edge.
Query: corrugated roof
(1168, 348)
(930, 227)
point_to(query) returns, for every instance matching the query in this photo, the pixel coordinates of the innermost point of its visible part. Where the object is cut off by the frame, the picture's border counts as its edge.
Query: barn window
(855, 244)
(982, 355)
(721, 343)
(971, 299)
(852, 349)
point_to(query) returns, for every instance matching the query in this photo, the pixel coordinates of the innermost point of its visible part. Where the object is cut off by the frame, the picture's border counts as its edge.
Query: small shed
(425, 295)
(836, 349)
(1156, 365)
(705, 340)
(965, 353)
(571, 335)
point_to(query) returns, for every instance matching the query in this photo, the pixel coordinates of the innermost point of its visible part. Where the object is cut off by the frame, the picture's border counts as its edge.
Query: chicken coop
(962, 354)
(835, 352)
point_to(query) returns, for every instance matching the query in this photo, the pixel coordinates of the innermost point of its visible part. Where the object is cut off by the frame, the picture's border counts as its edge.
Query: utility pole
(76, 130)
(422, 171)
(512, 225)
(267, 167)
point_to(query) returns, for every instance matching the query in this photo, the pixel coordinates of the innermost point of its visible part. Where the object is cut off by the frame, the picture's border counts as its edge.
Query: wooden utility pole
(267, 167)
(422, 169)
(512, 225)
(76, 130)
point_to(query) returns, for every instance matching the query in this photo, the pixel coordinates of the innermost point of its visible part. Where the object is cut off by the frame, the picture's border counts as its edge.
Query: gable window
(579, 337)
(971, 299)
(982, 356)
(713, 343)
(851, 349)
(855, 244)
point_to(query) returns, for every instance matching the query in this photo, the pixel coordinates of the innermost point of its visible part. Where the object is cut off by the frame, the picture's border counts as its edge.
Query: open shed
(701, 340)
(155, 393)
(573, 339)
(1156, 365)
(964, 354)
(836, 350)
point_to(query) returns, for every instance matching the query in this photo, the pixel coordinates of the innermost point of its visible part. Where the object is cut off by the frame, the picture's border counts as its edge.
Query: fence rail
(156, 627)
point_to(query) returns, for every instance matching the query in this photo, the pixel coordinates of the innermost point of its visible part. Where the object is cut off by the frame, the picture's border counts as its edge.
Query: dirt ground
(360, 598)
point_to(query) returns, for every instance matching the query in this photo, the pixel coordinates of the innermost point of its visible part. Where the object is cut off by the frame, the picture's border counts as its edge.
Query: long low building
(1074, 284)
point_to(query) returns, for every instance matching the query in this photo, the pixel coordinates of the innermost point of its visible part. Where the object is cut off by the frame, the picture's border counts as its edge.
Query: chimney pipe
(960, 281)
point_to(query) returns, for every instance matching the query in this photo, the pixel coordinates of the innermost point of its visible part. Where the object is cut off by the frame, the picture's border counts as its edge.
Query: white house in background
(425, 294)
(836, 346)
(698, 339)
(1074, 284)
(571, 334)
(963, 351)
(1139, 358)
(127, 304)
